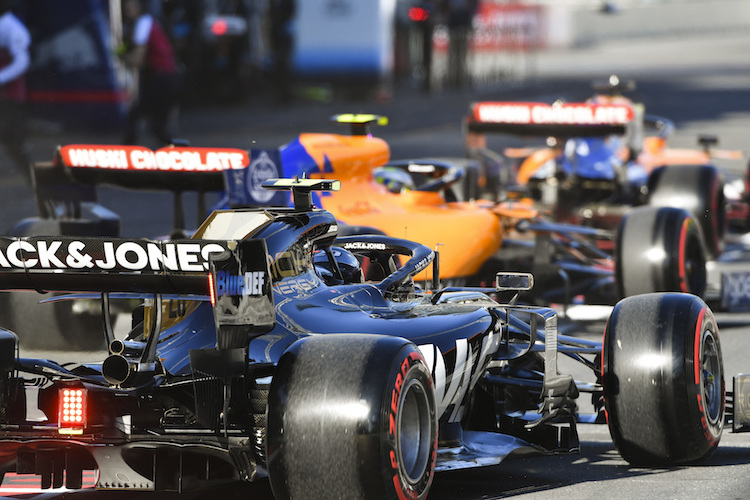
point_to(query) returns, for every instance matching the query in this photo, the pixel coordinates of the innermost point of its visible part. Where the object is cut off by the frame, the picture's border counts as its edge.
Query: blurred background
(232, 51)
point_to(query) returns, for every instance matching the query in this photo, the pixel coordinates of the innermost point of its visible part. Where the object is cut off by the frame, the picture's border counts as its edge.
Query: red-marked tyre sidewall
(659, 249)
(351, 416)
(408, 468)
(663, 379)
(699, 189)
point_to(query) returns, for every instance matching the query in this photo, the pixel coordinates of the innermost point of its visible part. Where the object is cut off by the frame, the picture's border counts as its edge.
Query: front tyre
(659, 249)
(663, 379)
(351, 416)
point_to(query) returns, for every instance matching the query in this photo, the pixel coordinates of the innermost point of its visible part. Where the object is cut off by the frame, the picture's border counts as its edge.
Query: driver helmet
(394, 179)
(350, 268)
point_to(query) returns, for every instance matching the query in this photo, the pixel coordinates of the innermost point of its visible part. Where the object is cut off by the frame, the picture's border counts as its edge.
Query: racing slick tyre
(659, 249)
(351, 416)
(663, 379)
(65, 325)
(58, 326)
(699, 189)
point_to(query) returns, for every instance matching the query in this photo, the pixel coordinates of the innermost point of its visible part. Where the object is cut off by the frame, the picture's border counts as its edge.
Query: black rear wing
(136, 167)
(95, 264)
(235, 274)
(64, 184)
(549, 120)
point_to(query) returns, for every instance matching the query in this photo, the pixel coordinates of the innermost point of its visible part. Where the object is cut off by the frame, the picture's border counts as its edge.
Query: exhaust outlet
(116, 369)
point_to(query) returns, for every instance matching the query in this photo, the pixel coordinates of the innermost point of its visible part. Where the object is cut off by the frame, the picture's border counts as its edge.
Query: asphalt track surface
(701, 82)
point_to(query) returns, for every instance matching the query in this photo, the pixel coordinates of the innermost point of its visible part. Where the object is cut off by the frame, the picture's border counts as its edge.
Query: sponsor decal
(248, 284)
(296, 286)
(291, 263)
(106, 255)
(245, 186)
(241, 292)
(176, 308)
(424, 262)
(262, 168)
(735, 290)
(526, 113)
(421, 169)
(172, 159)
(363, 245)
(451, 387)
(359, 207)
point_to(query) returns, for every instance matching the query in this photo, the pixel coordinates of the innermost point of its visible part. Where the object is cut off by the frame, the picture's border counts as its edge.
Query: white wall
(577, 23)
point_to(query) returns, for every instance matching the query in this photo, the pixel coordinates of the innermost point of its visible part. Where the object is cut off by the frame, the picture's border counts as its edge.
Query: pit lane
(702, 84)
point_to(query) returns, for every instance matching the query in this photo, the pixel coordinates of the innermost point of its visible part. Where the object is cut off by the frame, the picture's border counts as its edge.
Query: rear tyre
(699, 189)
(663, 379)
(67, 325)
(351, 416)
(659, 249)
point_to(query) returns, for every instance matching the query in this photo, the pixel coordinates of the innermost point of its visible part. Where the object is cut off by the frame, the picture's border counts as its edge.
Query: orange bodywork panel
(533, 162)
(655, 153)
(466, 234)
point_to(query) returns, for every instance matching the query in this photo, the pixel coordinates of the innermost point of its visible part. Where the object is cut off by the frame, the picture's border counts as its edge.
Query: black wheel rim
(414, 423)
(711, 377)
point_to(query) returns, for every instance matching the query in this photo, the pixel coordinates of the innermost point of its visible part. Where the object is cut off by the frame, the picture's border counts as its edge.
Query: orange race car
(593, 160)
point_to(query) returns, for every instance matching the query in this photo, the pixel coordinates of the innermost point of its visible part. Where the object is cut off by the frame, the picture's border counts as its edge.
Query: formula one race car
(243, 363)
(595, 160)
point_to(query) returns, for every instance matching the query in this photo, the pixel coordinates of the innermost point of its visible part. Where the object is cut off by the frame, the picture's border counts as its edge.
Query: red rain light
(72, 410)
(211, 291)
(219, 27)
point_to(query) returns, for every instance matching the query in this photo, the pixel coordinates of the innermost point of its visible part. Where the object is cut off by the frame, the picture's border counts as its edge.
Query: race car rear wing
(549, 120)
(235, 274)
(95, 264)
(65, 184)
(135, 167)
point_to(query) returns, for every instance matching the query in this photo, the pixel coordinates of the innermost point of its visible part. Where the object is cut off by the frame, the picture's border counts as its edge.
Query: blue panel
(244, 185)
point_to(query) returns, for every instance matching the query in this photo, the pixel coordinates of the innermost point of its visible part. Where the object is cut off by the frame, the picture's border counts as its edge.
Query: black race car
(260, 348)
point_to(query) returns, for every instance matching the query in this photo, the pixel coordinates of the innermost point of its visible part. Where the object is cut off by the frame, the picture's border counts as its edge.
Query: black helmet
(349, 269)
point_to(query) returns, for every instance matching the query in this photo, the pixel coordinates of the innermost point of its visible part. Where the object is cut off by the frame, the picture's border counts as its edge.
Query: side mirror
(513, 281)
